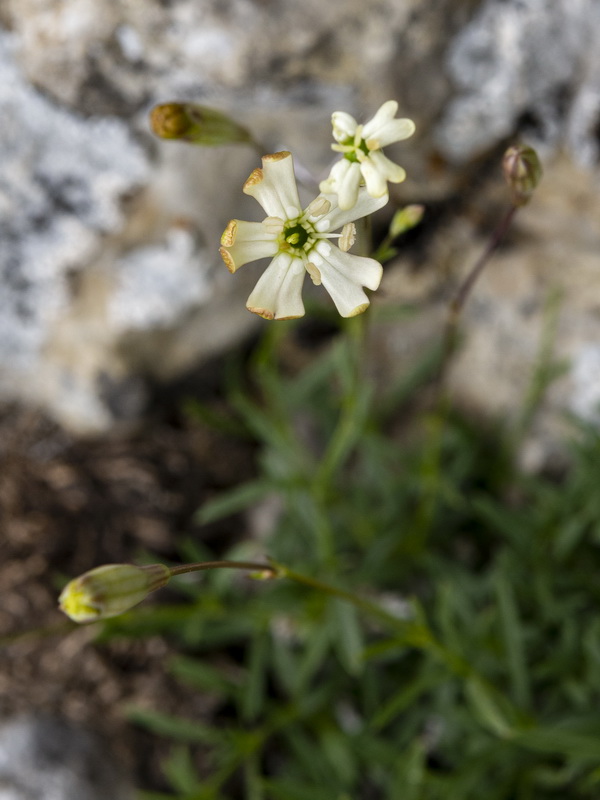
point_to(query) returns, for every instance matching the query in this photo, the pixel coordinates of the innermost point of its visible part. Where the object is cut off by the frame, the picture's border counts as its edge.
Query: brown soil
(67, 506)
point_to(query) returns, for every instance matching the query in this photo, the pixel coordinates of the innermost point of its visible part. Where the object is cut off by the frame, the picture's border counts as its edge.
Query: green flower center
(295, 235)
(351, 156)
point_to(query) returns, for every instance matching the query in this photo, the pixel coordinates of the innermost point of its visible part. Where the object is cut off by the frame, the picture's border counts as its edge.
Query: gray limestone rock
(108, 263)
(43, 758)
(525, 65)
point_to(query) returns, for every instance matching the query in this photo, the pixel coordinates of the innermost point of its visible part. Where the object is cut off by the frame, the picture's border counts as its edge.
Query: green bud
(406, 218)
(191, 122)
(522, 171)
(110, 590)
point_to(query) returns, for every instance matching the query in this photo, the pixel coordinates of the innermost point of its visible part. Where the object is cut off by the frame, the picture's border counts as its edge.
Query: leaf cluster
(498, 699)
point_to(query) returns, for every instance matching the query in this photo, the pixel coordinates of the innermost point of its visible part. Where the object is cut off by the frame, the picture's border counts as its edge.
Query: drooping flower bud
(406, 218)
(110, 590)
(522, 171)
(198, 124)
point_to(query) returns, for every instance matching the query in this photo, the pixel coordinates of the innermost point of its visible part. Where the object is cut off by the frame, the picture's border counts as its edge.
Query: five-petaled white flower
(363, 158)
(299, 241)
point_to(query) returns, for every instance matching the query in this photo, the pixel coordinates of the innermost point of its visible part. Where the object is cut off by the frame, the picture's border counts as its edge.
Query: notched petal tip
(255, 177)
(265, 313)
(291, 316)
(358, 310)
(229, 262)
(276, 156)
(229, 234)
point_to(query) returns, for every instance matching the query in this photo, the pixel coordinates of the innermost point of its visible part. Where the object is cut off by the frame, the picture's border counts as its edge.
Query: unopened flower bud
(110, 590)
(406, 218)
(522, 171)
(198, 124)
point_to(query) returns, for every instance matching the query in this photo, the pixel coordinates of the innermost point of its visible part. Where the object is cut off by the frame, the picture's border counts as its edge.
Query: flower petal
(278, 293)
(243, 242)
(347, 188)
(388, 169)
(344, 126)
(343, 275)
(365, 205)
(375, 180)
(393, 131)
(274, 186)
(382, 116)
(336, 174)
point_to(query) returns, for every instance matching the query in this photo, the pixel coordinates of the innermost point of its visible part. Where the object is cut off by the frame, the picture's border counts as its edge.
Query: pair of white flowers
(302, 240)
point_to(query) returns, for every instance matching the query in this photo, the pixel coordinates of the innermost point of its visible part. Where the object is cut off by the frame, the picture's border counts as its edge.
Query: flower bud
(110, 590)
(522, 171)
(406, 218)
(197, 124)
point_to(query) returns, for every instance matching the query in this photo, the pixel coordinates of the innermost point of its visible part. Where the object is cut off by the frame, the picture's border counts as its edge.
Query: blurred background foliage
(482, 681)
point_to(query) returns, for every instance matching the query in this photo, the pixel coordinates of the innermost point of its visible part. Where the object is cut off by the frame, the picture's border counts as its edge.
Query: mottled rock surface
(108, 261)
(525, 65)
(45, 758)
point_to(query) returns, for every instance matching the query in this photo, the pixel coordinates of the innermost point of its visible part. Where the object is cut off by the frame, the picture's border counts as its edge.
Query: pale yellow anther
(273, 225)
(314, 273)
(318, 207)
(348, 237)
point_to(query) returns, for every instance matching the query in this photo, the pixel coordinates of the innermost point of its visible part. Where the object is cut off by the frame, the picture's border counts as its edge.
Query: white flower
(299, 241)
(363, 158)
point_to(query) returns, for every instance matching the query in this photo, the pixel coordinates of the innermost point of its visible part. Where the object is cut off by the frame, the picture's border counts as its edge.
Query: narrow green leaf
(180, 770)
(405, 697)
(253, 698)
(233, 501)
(201, 675)
(578, 746)
(182, 730)
(347, 636)
(513, 639)
(486, 705)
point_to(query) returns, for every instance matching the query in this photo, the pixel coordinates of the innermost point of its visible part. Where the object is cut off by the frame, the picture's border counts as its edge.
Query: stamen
(318, 207)
(272, 225)
(314, 273)
(348, 237)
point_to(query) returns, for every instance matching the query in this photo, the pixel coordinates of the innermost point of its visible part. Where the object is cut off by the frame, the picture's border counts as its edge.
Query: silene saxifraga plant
(300, 240)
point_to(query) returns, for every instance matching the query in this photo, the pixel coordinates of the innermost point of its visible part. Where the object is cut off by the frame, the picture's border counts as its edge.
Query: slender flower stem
(359, 602)
(412, 632)
(204, 565)
(433, 451)
(465, 289)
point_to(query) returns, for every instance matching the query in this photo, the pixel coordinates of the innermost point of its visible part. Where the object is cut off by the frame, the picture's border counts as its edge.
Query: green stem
(464, 290)
(182, 569)
(359, 602)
